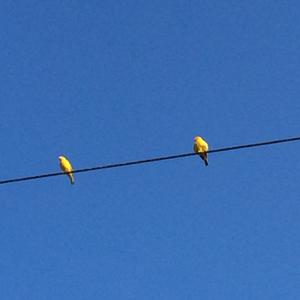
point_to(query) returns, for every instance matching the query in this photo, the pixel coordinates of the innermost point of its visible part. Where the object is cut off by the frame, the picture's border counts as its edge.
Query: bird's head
(61, 157)
(197, 138)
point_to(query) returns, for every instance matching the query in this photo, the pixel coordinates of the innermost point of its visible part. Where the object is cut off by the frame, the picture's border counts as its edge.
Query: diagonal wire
(150, 160)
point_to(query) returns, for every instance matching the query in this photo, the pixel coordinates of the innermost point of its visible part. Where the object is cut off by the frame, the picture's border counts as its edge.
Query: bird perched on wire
(201, 147)
(66, 167)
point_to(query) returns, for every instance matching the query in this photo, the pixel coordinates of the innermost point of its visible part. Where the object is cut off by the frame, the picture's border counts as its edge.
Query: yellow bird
(66, 167)
(201, 147)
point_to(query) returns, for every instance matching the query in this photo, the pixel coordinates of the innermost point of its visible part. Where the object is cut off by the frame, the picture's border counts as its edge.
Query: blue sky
(111, 81)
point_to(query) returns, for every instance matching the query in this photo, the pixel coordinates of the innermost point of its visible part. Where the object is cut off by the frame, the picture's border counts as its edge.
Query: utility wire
(150, 160)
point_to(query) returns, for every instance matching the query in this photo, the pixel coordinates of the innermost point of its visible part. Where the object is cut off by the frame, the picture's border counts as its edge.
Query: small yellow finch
(201, 147)
(66, 167)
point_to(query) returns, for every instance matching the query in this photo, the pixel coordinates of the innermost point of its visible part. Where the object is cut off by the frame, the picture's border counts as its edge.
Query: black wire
(150, 160)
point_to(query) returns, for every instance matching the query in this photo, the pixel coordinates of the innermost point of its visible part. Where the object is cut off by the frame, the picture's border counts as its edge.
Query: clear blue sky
(111, 81)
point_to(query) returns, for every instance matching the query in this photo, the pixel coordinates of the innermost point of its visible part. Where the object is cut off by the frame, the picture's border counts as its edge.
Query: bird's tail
(72, 178)
(206, 161)
(203, 155)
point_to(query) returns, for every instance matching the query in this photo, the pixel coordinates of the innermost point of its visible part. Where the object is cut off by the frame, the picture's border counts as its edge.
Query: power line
(150, 160)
